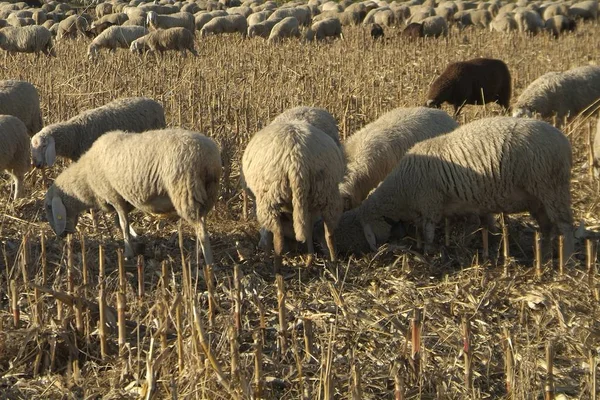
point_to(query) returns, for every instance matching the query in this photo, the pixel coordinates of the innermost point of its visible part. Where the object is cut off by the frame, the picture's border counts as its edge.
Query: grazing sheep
(103, 23)
(476, 81)
(373, 151)
(376, 31)
(413, 31)
(560, 93)
(39, 17)
(177, 20)
(478, 18)
(385, 17)
(159, 172)
(554, 10)
(492, 165)
(28, 39)
(529, 21)
(115, 37)
(180, 39)
(72, 138)
(103, 9)
(435, 26)
(262, 29)
(558, 24)
(258, 17)
(586, 10)
(295, 168)
(203, 17)
(21, 99)
(286, 28)
(504, 23)
(315, 116)
(241, 10)
(71, 26)
(228, 24)
(14, 151)
(302, 15)
(330, 27)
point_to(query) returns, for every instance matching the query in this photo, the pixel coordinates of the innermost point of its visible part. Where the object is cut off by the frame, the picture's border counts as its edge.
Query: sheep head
(43, 150)
(62, 219)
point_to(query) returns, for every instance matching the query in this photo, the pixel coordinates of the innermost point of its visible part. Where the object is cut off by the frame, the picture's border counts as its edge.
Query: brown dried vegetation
(348, 332)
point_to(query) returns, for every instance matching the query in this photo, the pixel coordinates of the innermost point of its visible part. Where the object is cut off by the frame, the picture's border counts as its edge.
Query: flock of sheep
(168, 25)
(411, 165)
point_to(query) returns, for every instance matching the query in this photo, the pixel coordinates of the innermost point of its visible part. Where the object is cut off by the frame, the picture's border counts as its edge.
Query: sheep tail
(298, 176)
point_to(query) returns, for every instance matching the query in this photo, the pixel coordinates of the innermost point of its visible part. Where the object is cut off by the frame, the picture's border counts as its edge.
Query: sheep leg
(310, 248)
(561, 217)
(124, 223)
(278, 242)
(19, 188)
(428, 235)
(541, 217)
(204, 239)
(330, 241)
(132, 232)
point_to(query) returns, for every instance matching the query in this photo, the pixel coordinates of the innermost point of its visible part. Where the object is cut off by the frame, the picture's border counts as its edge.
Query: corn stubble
(73, 323)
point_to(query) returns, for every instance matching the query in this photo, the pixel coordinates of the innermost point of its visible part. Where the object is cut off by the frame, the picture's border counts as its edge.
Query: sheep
(478, 18)
(258, 17)
(227, 24)
(71, 26)
(115, 37)
(558, 24)
(529, 21)
(435, 26)
(385, 17)
(373, 151)
(560, 93)
(241, 10)
(376, 32)
(321, 30)
(14, 151)
(181, 20)
(476, 81)
(101, 24)
(262, 29)
(159, 41)
(492, 165)
(21, 99)
(159, 172)
(28, 39)
(103, 9)
(287, 27)
(39, 17)
(302, 15)
(315, 116)
(413, 31)
(503, 23)
(294, 167)
(586, 10)
(554, 10)
(72, 138)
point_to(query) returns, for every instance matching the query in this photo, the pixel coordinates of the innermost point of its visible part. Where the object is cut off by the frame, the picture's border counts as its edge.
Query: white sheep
(227, 24)
(435, 26)
(103, 9)
(21, 99)
(180, 19)
(553, 10)
(302, 15)
(71, 26)
(504, 23)
(14, 151)
(585, 9)
(374, 151)
(28, 39)
(560, 93)
(157, 42)
(100, 25)
(558, 24)
(529, 21)
(262, 29)
(286, 28)
(158, 172)
(115, 37)
(202, 18)
(72, 138)
(258, 17)
(321, 30)
(492, 165)
(295, 168)
(315, 116)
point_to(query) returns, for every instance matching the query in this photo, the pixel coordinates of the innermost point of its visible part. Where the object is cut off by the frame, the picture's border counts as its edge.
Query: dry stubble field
(359, 310)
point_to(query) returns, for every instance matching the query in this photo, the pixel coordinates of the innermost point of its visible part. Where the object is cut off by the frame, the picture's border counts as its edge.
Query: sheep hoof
(309, 260)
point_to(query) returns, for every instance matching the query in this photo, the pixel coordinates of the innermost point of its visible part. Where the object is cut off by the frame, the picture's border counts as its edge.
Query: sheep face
(522, 112)
(61, 219)
(43, 151)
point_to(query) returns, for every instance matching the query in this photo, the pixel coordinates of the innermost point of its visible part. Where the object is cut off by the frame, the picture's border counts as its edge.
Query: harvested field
(483, 327)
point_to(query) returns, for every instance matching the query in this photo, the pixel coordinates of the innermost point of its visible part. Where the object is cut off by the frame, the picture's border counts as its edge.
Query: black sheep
(466, 82)
(376, 31)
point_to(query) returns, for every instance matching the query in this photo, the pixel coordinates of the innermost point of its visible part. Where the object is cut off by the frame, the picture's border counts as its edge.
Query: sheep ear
(370, 236)
(50, 153)
(59, 214)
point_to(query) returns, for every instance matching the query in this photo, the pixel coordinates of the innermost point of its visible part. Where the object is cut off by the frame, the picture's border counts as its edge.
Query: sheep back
(21, 99)
(14, 150)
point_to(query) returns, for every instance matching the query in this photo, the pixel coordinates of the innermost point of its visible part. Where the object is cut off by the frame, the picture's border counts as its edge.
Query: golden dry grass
(360, 308)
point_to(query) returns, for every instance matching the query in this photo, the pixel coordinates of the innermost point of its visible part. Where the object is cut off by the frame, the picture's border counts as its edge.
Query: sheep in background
(413, 31)
(103, 9)
(21, 99)
(115, 37)
(529, 21)
(157, 42)
(159, 172)
(315, 116)
(560, 93)
(488, 166)
(302, 15)
(375, 150)
(177, 20)
(227, 24)
(286, 28)
(72, 138)
(72, 26)
(330, 27)
(103, 23)
(262, 29)
(435, 26)
(586, 10)
(504, 23)
(203, 17)
(376, 32)
(558, 24)
(295, 168)
(14, 151)
(28, 39)
(258, 17)
(476, 81)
